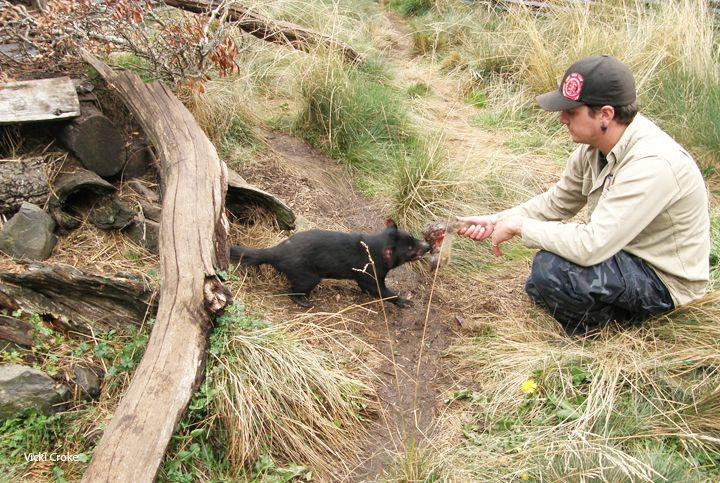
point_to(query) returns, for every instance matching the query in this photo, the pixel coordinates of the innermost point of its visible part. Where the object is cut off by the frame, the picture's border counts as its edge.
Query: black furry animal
(310, 256)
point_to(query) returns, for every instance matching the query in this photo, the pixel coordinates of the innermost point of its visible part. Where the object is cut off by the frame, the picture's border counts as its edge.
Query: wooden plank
(38, 100)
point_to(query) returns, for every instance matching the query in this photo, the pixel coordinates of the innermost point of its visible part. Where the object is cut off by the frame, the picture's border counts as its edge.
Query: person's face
(582, 126)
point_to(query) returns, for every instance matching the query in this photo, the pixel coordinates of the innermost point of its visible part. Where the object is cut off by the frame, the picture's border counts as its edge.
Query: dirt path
(442, 107)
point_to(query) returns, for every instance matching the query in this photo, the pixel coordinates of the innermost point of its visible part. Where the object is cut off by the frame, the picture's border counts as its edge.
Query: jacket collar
(618, 154)
(627, 140)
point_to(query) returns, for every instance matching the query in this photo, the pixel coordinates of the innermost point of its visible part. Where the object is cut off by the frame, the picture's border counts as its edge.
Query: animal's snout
(423, 248)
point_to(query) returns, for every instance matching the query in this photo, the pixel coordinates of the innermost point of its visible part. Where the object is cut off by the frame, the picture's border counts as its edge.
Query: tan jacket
(649, 200)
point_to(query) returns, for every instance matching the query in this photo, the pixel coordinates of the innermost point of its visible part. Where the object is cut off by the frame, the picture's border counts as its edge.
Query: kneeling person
(646, 246)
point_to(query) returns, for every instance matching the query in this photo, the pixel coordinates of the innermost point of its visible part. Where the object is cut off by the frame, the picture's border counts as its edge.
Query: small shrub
(419, 89)
(476, 98)
(411, 7)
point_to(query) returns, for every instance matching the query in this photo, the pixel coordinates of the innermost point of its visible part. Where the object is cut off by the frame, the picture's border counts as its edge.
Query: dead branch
(268, 29)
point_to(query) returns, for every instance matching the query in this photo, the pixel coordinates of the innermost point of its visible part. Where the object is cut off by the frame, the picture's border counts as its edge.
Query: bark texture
(76, 298)
(22, 180)
(38, 100)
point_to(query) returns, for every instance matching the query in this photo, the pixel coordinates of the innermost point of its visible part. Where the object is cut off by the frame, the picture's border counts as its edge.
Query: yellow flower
(525, 476)
(529, 386)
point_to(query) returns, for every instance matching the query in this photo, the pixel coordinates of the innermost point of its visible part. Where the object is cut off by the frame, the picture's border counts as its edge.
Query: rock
(145, 234)
(23, 387)
(108, 213)
(29, 234)
(88, 380)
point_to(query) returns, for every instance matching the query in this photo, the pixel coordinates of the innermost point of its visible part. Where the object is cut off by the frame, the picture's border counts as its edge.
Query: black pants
(623, 288)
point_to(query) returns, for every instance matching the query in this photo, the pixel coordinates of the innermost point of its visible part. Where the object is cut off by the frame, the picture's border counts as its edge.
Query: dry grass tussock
(605, 407)
(538, 49)
(105, 252)
(276, 390)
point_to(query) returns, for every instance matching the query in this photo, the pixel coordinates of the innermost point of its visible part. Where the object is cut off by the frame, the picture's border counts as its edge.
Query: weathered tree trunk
(193, 240)
(77, 298)
(94, 139)
(268, 29)
(38, 100)
(22, 180)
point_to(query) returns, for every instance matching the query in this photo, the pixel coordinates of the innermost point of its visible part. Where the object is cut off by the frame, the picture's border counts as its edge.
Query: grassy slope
(641, 404)
(634, 405)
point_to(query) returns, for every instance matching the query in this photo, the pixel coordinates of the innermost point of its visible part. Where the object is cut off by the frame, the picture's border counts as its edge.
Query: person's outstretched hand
(477, 227)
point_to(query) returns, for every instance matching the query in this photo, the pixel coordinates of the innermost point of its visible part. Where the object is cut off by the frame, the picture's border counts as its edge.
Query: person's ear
(607, 114)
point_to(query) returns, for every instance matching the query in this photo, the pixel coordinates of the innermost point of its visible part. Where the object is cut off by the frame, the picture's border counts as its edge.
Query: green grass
(118, 351)
(688, 108)
(476, 98)
(354, 116)
(411, 7)
(135, 64)
(715, 250)
(416, 90)
(359, 118)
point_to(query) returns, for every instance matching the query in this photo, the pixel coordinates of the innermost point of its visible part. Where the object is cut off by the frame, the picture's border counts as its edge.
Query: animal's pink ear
(390, 223)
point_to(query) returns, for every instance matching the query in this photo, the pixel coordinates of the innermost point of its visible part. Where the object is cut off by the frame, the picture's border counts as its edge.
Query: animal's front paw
(301, 300)
(403, 302)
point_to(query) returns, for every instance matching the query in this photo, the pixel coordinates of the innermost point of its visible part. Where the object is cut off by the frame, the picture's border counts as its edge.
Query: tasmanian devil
(310, 256)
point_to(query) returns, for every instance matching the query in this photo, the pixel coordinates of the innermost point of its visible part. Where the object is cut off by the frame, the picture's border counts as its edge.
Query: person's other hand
(504, 230)
(477, 227)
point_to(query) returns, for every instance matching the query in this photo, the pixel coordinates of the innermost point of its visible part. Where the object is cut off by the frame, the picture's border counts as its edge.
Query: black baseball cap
(598, 80)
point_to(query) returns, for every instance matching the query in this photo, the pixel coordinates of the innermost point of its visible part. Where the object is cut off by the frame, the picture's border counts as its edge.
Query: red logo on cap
(572, 86)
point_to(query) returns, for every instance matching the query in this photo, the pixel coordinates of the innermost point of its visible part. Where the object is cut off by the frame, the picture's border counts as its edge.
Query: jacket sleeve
(560, 202)
(640, 192)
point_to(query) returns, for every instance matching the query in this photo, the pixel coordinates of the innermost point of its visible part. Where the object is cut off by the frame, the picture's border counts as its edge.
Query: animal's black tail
(250, 256)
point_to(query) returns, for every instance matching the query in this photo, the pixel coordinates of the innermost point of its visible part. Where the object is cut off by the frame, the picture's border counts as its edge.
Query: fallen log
(193, 241)
(38, 100)
(241, 194)
(77, 299)
(22, 180)
(15, 331)
(95, 140)
(268, 29)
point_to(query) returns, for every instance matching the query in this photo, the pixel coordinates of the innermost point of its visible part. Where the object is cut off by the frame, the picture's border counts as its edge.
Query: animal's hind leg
(301, 288)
